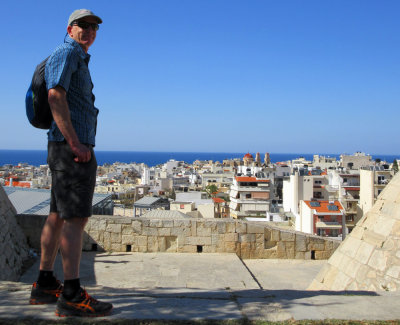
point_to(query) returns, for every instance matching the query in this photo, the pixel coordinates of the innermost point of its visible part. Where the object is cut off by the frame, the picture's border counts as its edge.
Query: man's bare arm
(59, 108)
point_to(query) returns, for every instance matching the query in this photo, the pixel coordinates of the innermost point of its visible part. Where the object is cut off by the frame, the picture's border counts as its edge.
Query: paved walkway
(204, 286)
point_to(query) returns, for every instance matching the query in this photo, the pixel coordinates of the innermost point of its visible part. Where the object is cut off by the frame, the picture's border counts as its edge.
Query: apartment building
(344, 185)
(322, 218)
(250, 197)
(373, 180)
(304, 184)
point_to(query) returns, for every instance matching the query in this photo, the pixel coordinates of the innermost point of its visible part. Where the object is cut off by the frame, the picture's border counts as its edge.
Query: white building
(250, 197)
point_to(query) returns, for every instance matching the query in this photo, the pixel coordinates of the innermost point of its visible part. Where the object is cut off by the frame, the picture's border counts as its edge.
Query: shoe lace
(88, 298)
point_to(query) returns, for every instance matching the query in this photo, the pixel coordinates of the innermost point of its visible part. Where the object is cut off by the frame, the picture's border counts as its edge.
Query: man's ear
(69, 30)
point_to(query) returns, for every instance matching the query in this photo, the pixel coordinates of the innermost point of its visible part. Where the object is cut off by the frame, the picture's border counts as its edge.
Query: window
(248, 196)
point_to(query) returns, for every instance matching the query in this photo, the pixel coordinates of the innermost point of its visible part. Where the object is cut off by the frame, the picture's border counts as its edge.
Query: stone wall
(369, 258)
(246, 239)
(13, 246)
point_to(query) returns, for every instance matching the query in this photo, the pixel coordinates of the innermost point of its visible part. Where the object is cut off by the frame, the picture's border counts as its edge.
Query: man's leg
(47, 288)
(75, 301)
(50, 241)
(71, 246)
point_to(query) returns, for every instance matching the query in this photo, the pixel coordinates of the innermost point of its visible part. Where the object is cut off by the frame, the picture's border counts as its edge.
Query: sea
(38, 157)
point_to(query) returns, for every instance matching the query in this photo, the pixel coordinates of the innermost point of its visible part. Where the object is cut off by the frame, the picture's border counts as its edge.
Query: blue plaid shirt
(68, 67)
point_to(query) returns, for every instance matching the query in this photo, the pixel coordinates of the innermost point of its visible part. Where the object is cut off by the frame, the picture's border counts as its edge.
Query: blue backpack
(36, 100)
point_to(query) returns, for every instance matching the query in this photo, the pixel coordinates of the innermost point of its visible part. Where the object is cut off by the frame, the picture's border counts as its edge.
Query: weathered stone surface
(369, 258)
(255, 229)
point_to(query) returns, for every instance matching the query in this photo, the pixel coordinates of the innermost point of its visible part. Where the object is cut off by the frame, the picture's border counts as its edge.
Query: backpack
(36, 100)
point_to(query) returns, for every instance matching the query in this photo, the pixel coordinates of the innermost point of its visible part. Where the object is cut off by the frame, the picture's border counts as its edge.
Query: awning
(328, 226)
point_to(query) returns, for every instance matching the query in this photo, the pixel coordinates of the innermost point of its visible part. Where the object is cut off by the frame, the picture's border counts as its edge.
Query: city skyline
(225, 76)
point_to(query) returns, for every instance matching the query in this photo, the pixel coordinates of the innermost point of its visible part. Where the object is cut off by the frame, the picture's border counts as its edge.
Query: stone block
(254, 229)
(230, 226)
(391, 210)
(299, 255)
(281, 250)
(341, 281)
(301, 243)
(189, 249)
(145, 222)
(230, 247)
(137, 226)
(357, 232)
(194, 228)
(260, 239)
(127, 230)
(149, 231)
(114, 228)
(384, 226)
(152, 244)
(116, 238)
(244, 238)
(378, 260)
(241, 227)
(156, 223)
(394, 272)
(171, 244)
(231, 237)
(142, 249)
(246, 250)
(181, 231)
(322, 255)
(102, 224)
(275, 235)
(287, 236)
(336, 258)
(194, 241)
(168, 223)
(127, 240)
(364, 252)
(215, 238)
(269, 253)
(164, 231)
(116, 247)
(373, 238)
(351, 246)
(141, 240)
(123, 221)
(221, 227)
(316, 244)
(182, 223)
(203, 231)
(209, 249)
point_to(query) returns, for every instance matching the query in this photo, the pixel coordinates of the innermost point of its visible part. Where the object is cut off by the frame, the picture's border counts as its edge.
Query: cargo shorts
(73, 183)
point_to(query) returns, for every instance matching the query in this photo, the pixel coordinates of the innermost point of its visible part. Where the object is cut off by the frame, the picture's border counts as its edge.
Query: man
(73, 166)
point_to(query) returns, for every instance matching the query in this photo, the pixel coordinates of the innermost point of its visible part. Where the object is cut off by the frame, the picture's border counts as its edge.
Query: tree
(395, 166)
(211, 190)
(378, 160)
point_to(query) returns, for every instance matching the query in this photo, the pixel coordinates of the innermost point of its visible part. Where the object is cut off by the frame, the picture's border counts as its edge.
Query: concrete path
(204, 286)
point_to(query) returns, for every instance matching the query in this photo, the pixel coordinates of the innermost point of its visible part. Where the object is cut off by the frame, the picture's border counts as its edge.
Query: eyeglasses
(86, 25)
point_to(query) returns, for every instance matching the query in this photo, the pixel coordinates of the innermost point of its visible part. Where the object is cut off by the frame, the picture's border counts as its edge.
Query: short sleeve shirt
(68, 67)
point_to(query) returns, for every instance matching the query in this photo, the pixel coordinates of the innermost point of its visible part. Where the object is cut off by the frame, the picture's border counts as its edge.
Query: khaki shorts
(72, 183)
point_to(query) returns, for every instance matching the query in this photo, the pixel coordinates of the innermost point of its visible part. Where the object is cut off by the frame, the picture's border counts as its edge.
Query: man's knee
(81, 222)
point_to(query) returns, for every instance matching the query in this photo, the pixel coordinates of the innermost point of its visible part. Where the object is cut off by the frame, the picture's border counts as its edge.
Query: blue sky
(306, 76)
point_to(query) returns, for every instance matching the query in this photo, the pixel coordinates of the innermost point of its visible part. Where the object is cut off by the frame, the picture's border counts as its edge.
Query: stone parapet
(247, 239)
(13, 246)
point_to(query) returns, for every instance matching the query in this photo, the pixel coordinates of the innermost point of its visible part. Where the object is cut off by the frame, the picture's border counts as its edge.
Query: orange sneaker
(45, 295)
(82, 305)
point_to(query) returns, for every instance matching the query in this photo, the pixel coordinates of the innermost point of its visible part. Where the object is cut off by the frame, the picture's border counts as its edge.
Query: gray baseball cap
(81, 13)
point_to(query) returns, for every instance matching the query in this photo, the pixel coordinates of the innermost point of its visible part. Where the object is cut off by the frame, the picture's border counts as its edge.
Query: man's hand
(82, 153)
